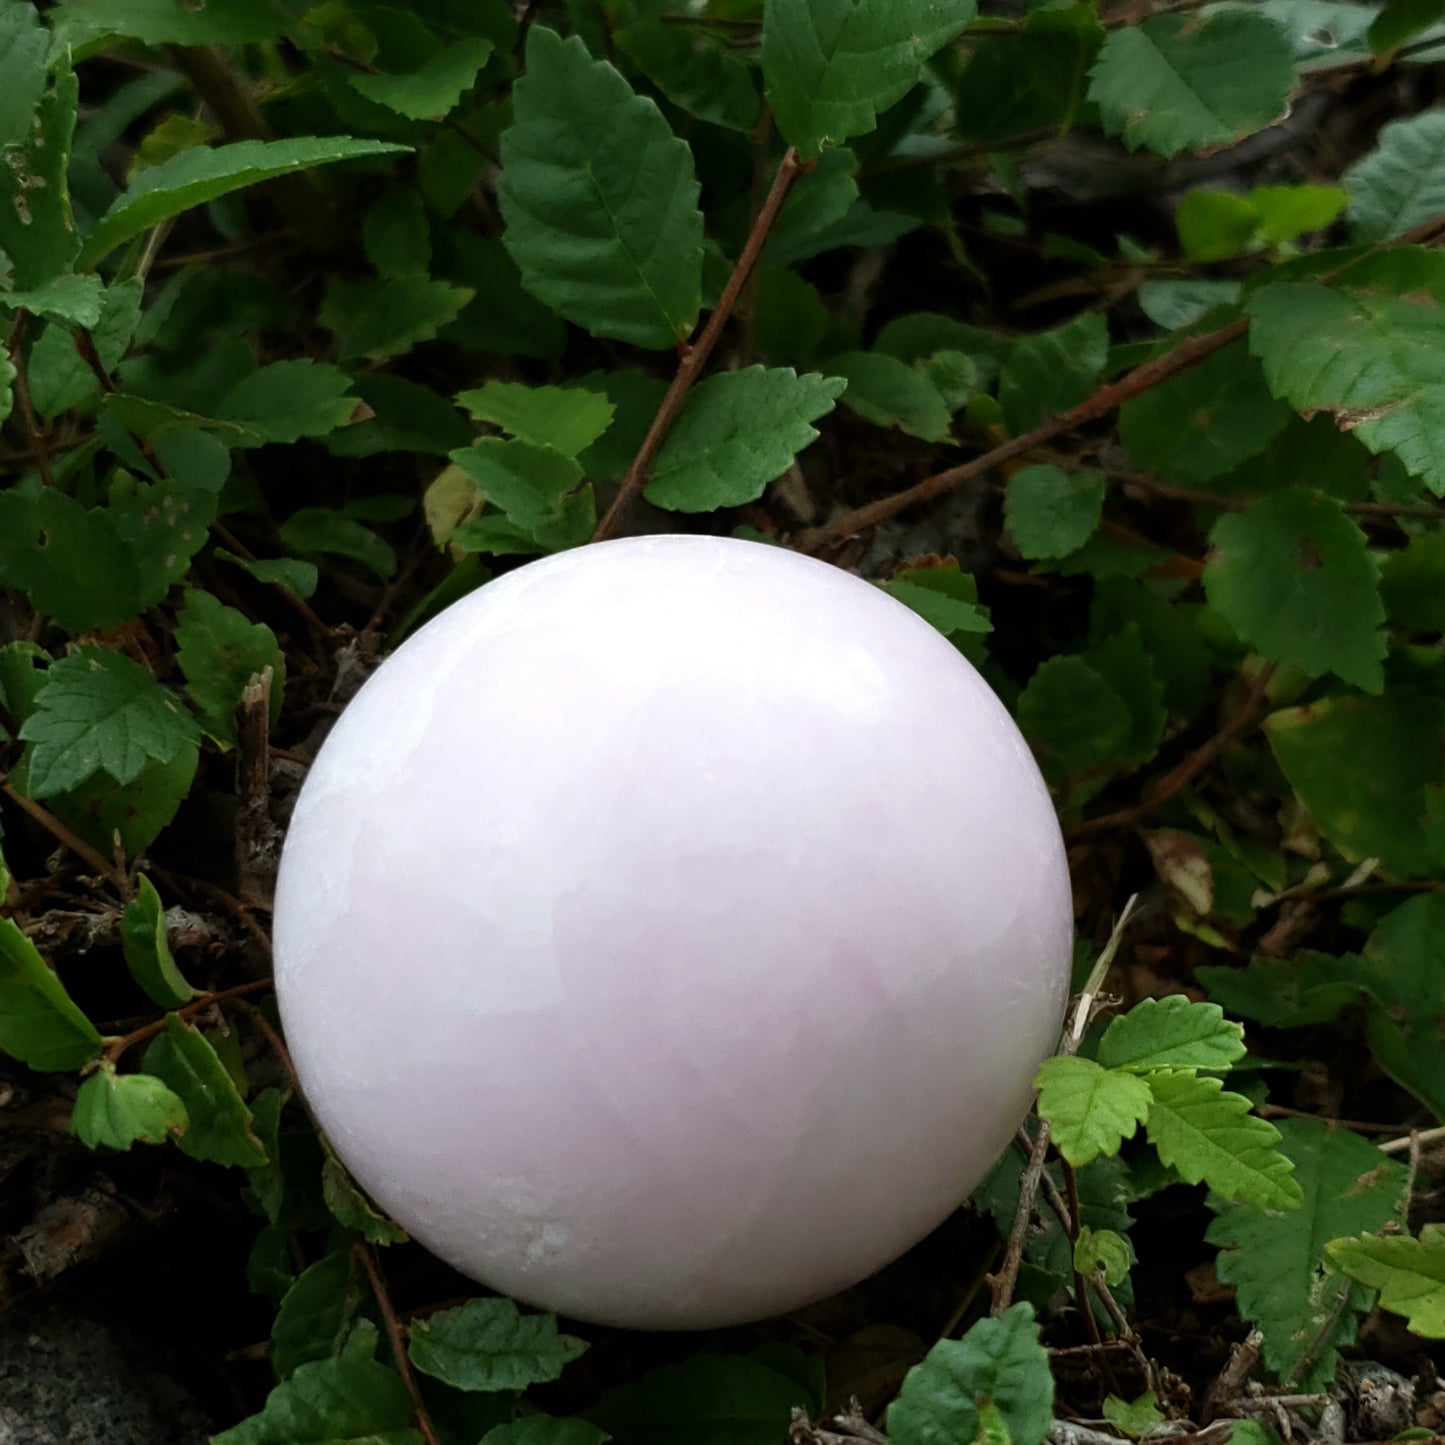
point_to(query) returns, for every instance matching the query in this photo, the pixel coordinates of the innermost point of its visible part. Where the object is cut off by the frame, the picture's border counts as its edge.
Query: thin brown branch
(396, 1337)
(694, 357)
(34, 437)
(277, 1043)
(197, 1005)
(57, 830)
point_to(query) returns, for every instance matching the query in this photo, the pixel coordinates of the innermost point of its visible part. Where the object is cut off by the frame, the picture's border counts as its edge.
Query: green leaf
(288, 400)
(76, 299)
(706, 1400)
(1184, 82)
(407, 418)
(1051, 512)
(1402, 20)
(566, 418)
(999, 1362)
(600, 199)
(319, 529)
(1409, 1273)
(22, 674)
(396, 234)
(831, 67)
(488, 1344)
(299, 577)
(1374, 360)
(162, 22)
(39, 1023)
(350, 1207)
(1401, 183)
(1072, 717)
(59, 377)
(1091, 1110)
(1105, 1251)
(1202, 424)
(545, 1430)
(148, 951)
(737, 432)
(1126, 667)
(535, 486)
(220, 1123)
(118, 1109)
(693, 72)
(1412, 583)
(332, 1402)
(24, 49)
(37, 230)
(943, 596)
(1133, 1418)
(1171, 1033)
(1284, 1284)
(1284, 993)
(381, 319)
(432, 90)
(1051, 371)
(1386, 803)
(206, 173)
(888, 392)
(1209, 1136)
(1214, 225)
(1292, 575)
(220, 651)
(316, 1313)
(100, 712)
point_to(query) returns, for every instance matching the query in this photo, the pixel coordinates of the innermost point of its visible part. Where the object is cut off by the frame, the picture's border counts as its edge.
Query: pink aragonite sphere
(668, 933)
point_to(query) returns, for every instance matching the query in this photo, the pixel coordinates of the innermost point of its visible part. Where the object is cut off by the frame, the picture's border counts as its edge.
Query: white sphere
(668, 933)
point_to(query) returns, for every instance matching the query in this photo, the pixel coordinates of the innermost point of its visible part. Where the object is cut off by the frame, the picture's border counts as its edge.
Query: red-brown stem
(60, 832)
(28, 420)
(196, 1005)
(396, 1337)
(694, 357)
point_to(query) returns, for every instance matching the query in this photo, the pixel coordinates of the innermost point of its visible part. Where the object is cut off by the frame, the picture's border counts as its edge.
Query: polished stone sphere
(668, 933)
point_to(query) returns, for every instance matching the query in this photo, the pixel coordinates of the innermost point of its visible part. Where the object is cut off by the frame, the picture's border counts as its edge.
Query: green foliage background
(318, 316)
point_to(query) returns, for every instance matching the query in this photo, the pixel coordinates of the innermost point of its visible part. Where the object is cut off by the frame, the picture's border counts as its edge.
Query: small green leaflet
(24, 47)
(37, 229)
(566, 418)
(118, 1110)
(1401, 183)
(288, 400)
(220, 1123)
(831, 67)
(147, 950)
(1171, 1033)
(79, 300)
(1090, 1109)
(943, 596)
(488, 1344)
(535, 486)
(999, 1362)
(1277, 1263)
(1293, 576)
(738, 431)
(350, 1207)
(1214, 225)
(1409, 1273)
(600, 199)
(1051, 512)
(1400, 21)
(1073, 718)
(384, 318)
(1052, 371)
(332, 1402)
(220, 650)
(1133, 1418)
(204, 173)
(433, 89)
(100, 712)
(1284, 993)
(1105, 1250)
(324, 529)
(296, 576)
(316, 1313)
(694, 73)
(1182, 82)
(889, 392)
(1209, 1136)
(39, 1023)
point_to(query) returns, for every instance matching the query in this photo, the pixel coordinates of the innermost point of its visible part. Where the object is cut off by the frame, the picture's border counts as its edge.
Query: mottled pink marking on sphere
(668, 933)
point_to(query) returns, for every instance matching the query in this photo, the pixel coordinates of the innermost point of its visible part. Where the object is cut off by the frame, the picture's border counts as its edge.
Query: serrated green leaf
(1292, 575)
(1277, 1264)
(1184, 82)
(288, 400)
(738, 431)
(488, 1344)
(1072, 717)
(24, 49)
(350, 1207)
(706, 1400)
(22, 674)
(567, 418)
(1204, 423)
(1287, 993)
(998, 1362)
(385, 318)
(1125, 665)
(1214, 225)
(220, 650)
(1133, 1417)
(600, 199)
(950, 609)
(162, 22)
(118, 1110)
(206, 173)
(889, 393)
(432, 89)
(692, 71)
(39, 1022)
(545, 1430)
(100, 712)
(316, 1313)
(147, 949)
(220, 1123)
(37, 229)
(1402, 20)
(319, 529)
(535, 486)
(1209, 1136)
(1386, 804)
(76, 299)
(59, 376)
(1409, 1273)
(1052, 371)
(1401, 183)
(1102, 1249)
(332, 1402)
(1171, 1033)
(831, 67)
(300, 577)
(1374, 360)
(1090, 1109)
(1051, 512)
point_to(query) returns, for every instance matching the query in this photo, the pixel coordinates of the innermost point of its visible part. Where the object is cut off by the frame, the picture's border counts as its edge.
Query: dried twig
(396, 1337)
